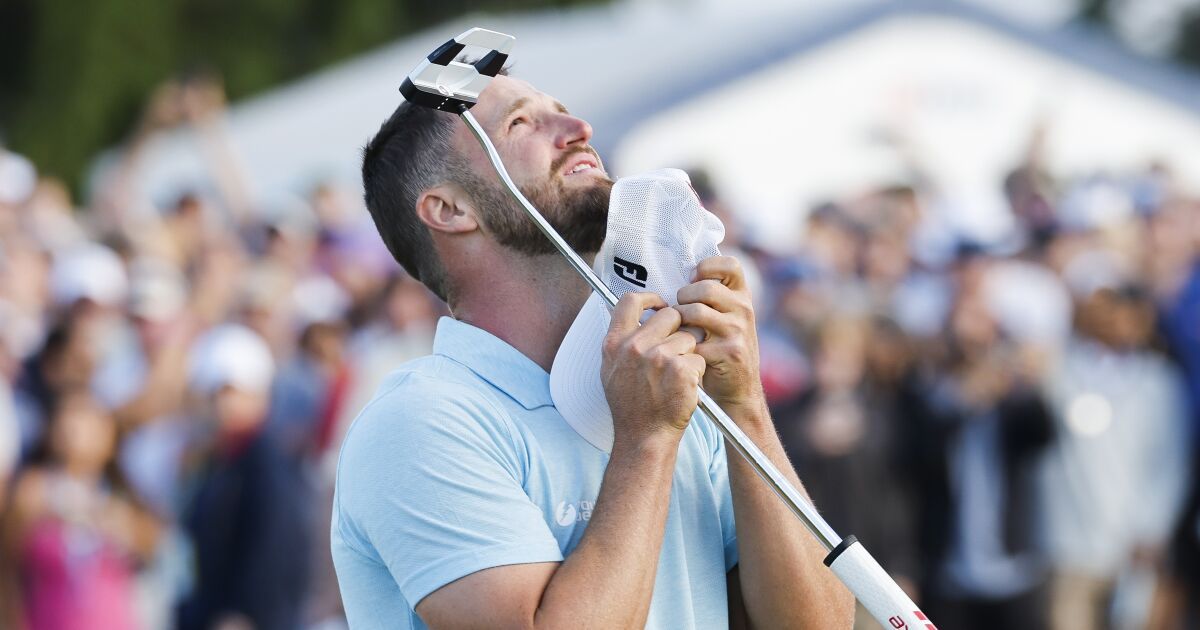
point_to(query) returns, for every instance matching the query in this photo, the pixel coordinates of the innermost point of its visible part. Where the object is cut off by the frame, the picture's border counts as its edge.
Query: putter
(441, 83)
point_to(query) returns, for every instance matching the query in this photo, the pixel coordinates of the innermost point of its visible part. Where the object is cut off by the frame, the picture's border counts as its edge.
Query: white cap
(233, 355)
(1093, 269)
(319, 299)
(157, 290)
(1028, 301)
(18, 178)
(657, 233)
(88, 271)
(1095, 204)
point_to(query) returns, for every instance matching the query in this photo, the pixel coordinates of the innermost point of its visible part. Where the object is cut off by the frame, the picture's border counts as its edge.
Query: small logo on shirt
(569, 513)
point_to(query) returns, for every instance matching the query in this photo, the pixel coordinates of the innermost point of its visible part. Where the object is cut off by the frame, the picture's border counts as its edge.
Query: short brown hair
(410, 154)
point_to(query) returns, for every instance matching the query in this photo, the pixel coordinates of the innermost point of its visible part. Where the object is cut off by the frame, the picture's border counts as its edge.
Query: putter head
(442, 83)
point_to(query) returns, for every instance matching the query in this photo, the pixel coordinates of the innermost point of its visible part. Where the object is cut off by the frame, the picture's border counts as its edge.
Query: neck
(528, 302)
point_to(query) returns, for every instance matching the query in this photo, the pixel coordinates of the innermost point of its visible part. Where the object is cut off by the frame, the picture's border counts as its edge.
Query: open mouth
(581, 163)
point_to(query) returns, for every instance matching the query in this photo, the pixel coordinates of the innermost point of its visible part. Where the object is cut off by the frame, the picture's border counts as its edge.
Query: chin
(588, 217)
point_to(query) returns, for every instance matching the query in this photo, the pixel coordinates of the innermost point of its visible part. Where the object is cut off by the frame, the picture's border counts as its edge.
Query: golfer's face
(540, 141)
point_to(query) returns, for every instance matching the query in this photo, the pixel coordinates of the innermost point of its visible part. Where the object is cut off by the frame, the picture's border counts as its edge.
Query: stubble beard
(579, 215)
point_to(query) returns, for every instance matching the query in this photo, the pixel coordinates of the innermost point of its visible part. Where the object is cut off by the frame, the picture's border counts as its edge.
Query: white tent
(954, 94)
(785, 103)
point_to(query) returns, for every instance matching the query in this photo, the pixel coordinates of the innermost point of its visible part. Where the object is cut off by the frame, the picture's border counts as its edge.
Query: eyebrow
(517, 104)
(523, 101)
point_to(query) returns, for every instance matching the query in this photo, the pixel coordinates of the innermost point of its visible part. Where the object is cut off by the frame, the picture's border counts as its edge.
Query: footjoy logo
(568, 513)
(630, 271)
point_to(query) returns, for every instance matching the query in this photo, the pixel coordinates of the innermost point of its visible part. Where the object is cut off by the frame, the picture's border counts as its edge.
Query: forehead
(504, 92)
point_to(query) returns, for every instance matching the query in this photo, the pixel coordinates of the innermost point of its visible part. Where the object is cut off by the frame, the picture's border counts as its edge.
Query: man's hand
(780, 575)
(650, 372)
(650, 375)
(719, 303)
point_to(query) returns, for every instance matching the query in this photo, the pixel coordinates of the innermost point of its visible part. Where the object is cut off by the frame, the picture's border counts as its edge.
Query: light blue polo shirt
(461, 463)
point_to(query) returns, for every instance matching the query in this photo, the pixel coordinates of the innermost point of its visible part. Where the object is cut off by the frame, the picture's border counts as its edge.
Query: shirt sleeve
(431, 483)
(718, 474)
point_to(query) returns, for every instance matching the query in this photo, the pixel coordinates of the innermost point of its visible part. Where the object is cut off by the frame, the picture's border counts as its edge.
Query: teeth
(581, 167)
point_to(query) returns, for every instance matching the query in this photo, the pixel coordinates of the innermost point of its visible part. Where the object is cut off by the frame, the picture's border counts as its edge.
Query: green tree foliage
(1187, 43)
(74, 74)
(1188, 49)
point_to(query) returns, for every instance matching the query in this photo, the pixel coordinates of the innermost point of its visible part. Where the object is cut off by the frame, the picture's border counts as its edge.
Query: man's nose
(572, 131)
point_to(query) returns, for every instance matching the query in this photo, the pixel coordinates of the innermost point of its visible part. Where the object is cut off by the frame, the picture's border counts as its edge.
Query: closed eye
(519, 120)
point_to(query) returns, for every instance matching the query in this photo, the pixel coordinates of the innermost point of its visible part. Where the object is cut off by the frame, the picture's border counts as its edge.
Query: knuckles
(722, 265)
(671, 314)
(678, 367)
(659, 359)
(612, 344)
(711, 290)
(726, 352)
(735, 353)
(741, 305)
(714, 293)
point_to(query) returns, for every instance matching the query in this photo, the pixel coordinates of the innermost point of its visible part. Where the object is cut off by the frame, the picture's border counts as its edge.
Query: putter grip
(874, 588)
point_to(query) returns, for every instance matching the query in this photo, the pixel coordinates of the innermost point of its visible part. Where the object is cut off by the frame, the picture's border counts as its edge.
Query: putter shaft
(734, 436)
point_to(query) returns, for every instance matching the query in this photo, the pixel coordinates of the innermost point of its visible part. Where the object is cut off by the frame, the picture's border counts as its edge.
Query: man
(248, 518)
(1121, 429)
(463, 498)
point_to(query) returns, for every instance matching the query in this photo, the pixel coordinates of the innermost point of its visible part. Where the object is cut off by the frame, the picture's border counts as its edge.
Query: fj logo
(631, 271)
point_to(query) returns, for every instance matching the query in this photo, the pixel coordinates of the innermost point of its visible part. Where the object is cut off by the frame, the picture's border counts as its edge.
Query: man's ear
(446, 208)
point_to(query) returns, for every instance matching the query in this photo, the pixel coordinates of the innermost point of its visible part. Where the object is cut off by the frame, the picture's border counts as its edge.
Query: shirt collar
(494, 361)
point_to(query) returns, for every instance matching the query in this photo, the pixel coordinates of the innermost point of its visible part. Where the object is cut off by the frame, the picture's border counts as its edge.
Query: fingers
(720, 283)
(650, 367)
(724, 269)
(687, 370)
(711, 321)
(680, 342)
(723, 354)
(660, 325)
(695, 364)
(628, 311)
(660, 334)
(716, 295)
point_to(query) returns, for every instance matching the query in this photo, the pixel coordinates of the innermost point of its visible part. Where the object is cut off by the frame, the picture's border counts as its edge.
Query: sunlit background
(972, 227)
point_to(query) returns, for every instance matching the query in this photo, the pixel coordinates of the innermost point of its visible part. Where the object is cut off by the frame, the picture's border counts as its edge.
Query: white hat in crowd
(157, 290)
(657, 233)
(1093, 269)
(88, 271)
(18, 178)
(230, 355)
(1029, 302)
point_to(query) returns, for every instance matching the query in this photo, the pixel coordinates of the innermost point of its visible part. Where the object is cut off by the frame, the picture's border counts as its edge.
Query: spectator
(1181, 312)
(983, 425)
(1119, 412)
(248, 519)
(309, 392)
(841, 435)
(74, 532)
(65, 362)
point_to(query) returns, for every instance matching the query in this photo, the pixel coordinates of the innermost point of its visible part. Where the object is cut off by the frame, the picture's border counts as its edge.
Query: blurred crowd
(1008, 425)
(176, 375)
